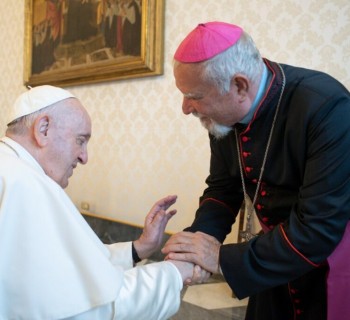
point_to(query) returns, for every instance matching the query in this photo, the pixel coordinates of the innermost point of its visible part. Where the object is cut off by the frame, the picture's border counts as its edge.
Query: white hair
(243, 58)
(20, 125)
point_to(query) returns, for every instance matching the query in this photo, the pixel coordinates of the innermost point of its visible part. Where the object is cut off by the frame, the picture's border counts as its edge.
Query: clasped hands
(196, 255)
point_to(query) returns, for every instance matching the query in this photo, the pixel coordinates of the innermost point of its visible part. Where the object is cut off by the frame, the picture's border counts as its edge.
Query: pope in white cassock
(52, 265)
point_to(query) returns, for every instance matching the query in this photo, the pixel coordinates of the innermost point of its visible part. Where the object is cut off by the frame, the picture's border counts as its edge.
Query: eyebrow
(192, 95)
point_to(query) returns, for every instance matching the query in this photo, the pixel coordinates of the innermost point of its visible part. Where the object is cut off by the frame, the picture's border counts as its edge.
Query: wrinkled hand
(190, 274)
(199, 276)
(199, 248)
(155, 223)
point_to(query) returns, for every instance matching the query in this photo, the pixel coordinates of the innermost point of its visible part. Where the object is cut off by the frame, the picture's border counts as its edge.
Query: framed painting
(73, 42)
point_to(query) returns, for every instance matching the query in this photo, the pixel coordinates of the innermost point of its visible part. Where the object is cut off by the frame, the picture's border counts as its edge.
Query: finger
(160, 220)
(175, 246)
(181, 237)
(179, 247)
(155, 217)
(200, 275)
(169, 215)
(166, 258)
(166, 202)
(172, 245)
(172, 213)
(205, 275)
(159, 216)
(197, 274)
(188, 257)
(161, 206)
(152, 214)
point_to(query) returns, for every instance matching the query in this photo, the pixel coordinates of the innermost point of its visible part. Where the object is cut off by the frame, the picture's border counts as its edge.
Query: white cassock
(52, 264)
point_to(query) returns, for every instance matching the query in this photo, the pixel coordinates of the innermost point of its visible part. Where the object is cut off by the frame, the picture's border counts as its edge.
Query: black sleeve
(223, 197)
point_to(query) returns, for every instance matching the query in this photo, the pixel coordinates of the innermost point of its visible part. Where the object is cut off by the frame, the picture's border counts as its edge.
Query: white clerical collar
(21, 152)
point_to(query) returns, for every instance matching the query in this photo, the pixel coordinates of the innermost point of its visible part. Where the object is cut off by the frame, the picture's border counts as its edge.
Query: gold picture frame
(74, 42)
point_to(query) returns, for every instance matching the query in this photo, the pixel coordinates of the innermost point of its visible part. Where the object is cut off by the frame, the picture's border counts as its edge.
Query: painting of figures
(79, 41)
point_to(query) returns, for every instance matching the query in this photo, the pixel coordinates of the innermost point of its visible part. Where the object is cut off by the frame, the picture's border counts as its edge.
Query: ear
(242, 85)
(41, 127)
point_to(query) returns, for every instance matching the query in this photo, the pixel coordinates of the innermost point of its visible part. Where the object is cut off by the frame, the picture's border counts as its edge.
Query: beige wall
(143, 147)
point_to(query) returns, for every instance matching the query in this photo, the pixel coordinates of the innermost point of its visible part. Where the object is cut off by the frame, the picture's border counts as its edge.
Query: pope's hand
(155, 223)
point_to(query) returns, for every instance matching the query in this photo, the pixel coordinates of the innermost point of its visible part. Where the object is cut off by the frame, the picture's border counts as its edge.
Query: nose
(187, 107)
(83, 158)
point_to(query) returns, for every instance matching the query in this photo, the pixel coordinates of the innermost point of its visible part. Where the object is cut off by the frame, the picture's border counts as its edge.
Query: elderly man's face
(69, 134)
(217, 112)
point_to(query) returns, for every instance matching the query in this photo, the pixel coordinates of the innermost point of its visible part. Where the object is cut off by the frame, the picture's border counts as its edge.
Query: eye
(80, 141)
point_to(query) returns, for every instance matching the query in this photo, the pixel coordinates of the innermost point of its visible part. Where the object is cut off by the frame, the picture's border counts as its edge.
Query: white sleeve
(120, 254)
(150, 291)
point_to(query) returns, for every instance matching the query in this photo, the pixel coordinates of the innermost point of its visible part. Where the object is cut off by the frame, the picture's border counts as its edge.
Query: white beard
(219, 131)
